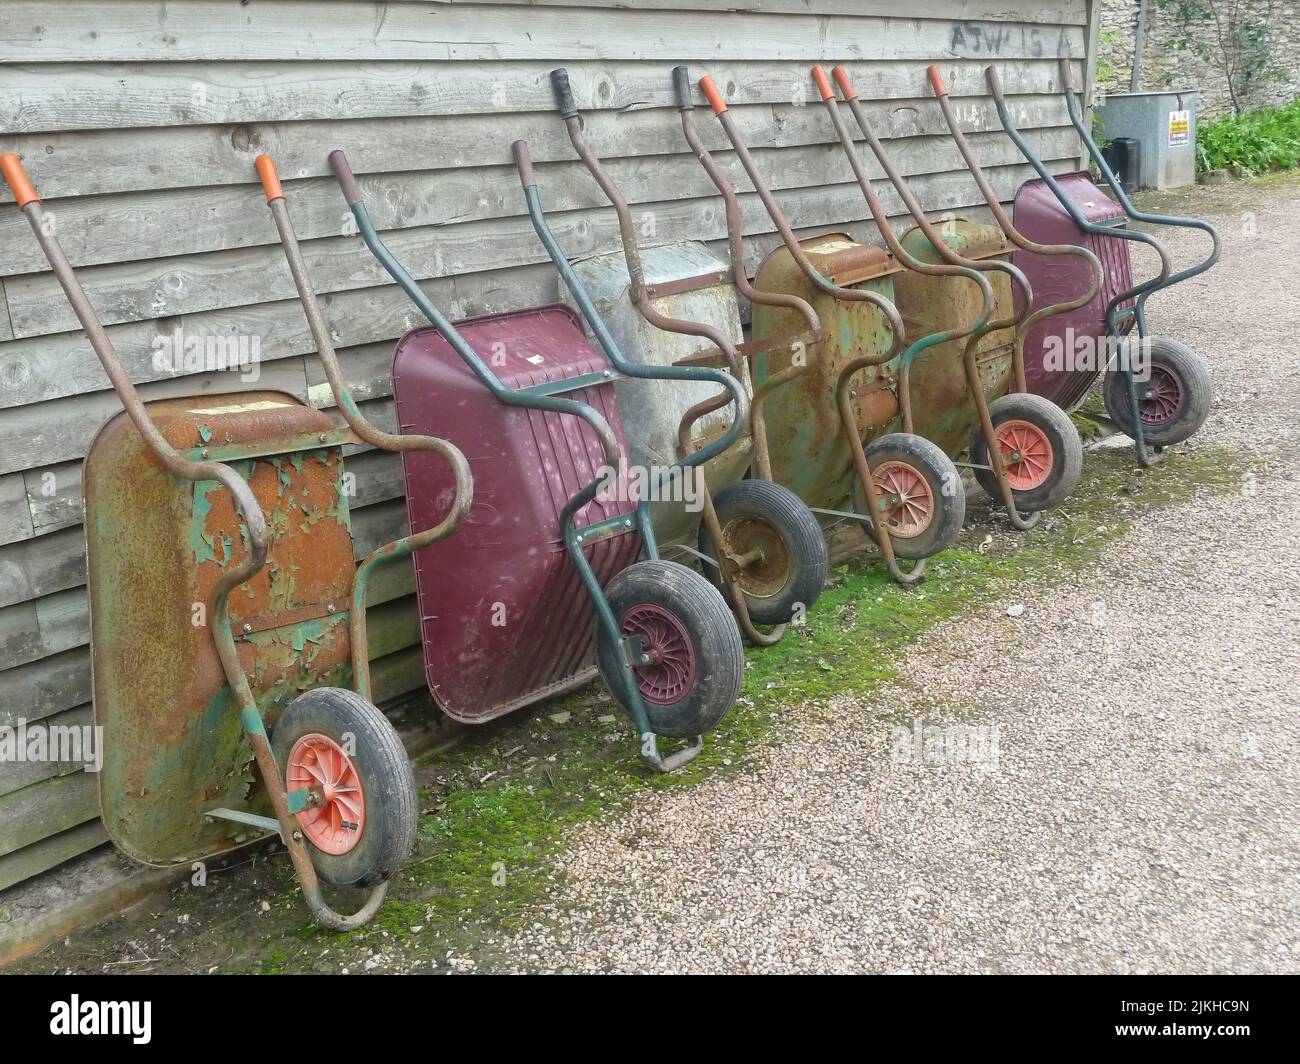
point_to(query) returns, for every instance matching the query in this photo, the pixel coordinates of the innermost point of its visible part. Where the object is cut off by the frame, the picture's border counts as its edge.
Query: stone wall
(1170, 59)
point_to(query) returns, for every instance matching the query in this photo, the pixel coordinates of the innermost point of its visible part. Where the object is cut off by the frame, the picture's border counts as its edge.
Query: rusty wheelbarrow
(545, 575)
(902, 487)
(1037, 455)
(224, 600)
(1156, 389)
(675, 304)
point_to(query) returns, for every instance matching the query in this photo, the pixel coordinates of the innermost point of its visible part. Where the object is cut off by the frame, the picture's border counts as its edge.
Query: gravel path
(1126, 796)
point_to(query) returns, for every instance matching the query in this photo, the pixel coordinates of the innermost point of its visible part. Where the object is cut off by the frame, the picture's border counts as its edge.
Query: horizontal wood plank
(360, 31)
(117, 96)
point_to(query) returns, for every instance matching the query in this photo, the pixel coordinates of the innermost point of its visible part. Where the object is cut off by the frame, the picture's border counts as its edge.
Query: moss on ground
(483, 856)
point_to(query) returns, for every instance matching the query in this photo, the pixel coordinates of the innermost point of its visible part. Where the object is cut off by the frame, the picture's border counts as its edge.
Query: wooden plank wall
(139, 121)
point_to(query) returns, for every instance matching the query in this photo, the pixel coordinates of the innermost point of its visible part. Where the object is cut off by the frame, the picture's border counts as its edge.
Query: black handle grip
(563, 93)
(682, 86)
(347, 182)
(523, 163)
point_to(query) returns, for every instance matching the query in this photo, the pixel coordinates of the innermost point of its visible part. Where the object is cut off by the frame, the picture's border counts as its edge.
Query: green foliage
(1255, 142)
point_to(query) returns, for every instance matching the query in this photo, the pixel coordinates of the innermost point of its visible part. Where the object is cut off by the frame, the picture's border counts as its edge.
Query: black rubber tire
(945, 488)
(1179, 360)
(1067, 450)
(386, 782)
(719, 655)
(799, 563)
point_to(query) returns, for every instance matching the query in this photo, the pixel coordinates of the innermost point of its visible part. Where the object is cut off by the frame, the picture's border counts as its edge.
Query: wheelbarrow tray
(1050, 369)
(809, 451)
(680, 275)
(943, 408)
(156, 546)
(504, 618)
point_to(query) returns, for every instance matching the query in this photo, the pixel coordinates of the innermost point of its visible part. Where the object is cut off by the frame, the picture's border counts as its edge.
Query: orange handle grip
(822, 82)
(712, 94)
(270, 179)
(846, 86)
(18, 180)
(936, 81)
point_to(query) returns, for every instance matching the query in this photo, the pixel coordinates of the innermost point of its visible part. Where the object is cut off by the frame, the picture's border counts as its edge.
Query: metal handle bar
(523, 162)
(387, 441)
(735, 232)
(246, 504)
(627, 230)
(1005, 222)
(511, 397)
(891, 240)
(1018, 138)
(1076, 118)
(917, 212)
(890, 311)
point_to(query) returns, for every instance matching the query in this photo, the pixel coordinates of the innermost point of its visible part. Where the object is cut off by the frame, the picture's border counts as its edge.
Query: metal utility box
(1164, 125)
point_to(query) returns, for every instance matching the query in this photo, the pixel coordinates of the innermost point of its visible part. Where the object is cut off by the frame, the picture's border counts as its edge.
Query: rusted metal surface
(810, 452)
(943, 406)
(173, 739)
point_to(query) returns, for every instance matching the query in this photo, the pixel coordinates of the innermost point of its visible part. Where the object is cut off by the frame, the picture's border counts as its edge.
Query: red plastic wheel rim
(1164, 397)
(669, 675)
(1026, 454)
(909, 502)
(336, 817)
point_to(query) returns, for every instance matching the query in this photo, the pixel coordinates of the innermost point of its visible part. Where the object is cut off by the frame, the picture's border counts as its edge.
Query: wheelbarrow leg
(903, 577)
(1023, 523)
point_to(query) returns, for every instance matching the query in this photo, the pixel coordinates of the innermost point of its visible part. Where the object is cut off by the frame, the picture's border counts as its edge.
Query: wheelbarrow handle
(246, 504)
(338, 162)
(605, 339)
(682, 88)
(19, 183)
(713, 95)
(936, 80)
(563, 93)
(638, 290)
(357, 422)
(822, 82)
(270, 179)
(1067, 72)
(841, 76)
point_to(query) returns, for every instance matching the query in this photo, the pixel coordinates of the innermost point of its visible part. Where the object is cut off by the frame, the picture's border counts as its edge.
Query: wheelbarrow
(1022, 449)
(757, 541)
(224, 601)
(902, 487)
(1172, 399)
(502, 611)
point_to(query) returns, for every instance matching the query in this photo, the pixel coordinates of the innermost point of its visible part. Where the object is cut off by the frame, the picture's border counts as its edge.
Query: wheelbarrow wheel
(1041, 451)
(920, 490)
(696, 658)
(773, 529)
(1178, 399)
(360, 827)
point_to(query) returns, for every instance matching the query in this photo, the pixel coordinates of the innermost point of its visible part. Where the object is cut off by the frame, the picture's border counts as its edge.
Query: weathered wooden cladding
(141, 139)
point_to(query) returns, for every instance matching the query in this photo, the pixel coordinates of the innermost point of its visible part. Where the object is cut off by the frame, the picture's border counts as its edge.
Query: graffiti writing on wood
(971, 38)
